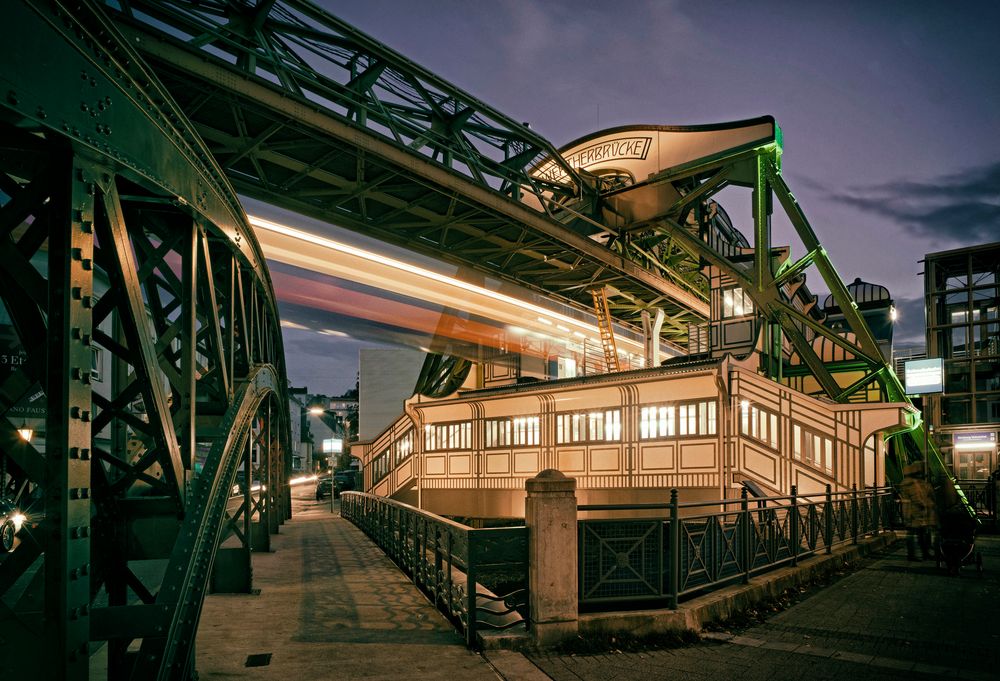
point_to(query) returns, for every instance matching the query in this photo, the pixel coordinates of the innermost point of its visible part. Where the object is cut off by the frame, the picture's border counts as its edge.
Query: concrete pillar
(550, 515)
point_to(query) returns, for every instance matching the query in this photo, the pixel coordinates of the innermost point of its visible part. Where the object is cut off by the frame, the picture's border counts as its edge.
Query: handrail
(727, 502)
(458, 567)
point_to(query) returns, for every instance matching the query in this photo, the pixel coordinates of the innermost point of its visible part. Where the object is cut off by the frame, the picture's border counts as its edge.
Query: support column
(651, 327)
(550, 515)
(66, 610)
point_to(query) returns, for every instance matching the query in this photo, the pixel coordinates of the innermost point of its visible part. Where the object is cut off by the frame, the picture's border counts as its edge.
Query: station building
(739, 409)
(708, 423)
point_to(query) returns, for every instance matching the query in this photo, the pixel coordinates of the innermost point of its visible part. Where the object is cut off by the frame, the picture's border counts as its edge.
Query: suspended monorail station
(617, 314)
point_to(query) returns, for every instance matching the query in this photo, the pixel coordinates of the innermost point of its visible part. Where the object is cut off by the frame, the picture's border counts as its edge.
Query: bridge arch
(150, 368)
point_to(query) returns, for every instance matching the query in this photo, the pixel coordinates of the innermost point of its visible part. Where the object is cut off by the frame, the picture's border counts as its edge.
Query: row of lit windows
(384, 462)
(667, 420)
(448, 436)
(813, 448)
(670, 420)
(762, 425)
(498, 433)
(600, 426)
(527, 430)
(759, 424)
(380, 466)
(736, 303)
(655, 421)
(404, 446)
(520, 431)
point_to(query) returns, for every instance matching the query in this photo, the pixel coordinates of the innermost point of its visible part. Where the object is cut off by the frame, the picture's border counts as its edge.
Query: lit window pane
(613, 426)
(595, 427)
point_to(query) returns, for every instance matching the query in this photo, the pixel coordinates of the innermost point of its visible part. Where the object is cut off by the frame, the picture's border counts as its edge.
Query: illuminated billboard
(923, 376)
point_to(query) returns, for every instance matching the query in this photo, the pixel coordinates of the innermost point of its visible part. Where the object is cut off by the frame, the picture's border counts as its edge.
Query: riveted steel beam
(68, 436)
(120, 238)
(327, 148)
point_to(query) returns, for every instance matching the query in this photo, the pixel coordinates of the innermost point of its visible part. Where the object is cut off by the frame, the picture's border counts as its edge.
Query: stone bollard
(550, 515)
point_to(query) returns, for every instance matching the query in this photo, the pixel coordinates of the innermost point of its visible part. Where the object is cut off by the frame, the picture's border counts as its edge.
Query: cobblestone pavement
(330, 606)
(893, 619)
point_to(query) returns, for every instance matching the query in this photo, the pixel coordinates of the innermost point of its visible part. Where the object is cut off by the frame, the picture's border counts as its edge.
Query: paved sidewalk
(331, 606)
(894, 619)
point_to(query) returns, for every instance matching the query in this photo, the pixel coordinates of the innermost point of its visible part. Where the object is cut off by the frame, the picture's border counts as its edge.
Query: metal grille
(667, 558)
(621, 559)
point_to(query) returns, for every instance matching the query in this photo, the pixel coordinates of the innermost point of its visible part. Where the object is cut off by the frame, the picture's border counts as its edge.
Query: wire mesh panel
(621, 559)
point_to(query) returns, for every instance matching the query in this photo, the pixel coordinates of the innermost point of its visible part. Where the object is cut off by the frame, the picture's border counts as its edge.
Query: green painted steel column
(854, 513)
(828, 517)
(470, 585)
(68, 437)
(746, 535)
(762, 222)
(793, 527)
(185, 414)
(675, 549)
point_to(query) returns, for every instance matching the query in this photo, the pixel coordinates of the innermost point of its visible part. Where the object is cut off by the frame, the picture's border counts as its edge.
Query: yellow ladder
(604, 326)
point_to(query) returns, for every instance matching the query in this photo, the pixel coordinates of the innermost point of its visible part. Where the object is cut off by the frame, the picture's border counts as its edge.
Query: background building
(962, 298)
(387, 378)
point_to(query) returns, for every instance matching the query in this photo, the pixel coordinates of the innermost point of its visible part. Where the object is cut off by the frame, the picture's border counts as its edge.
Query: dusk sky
(890, 110)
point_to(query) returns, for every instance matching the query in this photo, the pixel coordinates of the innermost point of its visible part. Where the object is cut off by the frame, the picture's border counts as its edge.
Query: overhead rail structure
(305, 112)
(146, 326)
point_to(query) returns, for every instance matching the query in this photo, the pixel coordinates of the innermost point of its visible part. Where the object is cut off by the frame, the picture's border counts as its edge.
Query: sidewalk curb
(513, 666)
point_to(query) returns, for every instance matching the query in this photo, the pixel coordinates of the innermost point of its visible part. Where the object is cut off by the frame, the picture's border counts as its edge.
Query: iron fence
(477, 577)
(982, 496)
(691, 547)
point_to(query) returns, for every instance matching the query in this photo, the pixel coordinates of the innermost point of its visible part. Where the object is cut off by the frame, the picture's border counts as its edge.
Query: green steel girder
(306, 113)
(122, 240)
(169, 655)
(319, 58)
(772, 294)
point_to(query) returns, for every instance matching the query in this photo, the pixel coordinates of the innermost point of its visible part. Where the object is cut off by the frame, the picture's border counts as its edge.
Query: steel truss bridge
(127, 129)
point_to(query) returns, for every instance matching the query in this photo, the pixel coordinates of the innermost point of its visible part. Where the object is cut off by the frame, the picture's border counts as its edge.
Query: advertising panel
(922, 376)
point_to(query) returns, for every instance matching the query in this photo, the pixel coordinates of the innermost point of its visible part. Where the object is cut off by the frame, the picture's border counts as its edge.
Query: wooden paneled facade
(702, 426)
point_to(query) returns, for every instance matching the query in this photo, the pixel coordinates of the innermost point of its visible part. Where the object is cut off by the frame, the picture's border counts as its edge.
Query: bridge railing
(478, 578)
(681, 549)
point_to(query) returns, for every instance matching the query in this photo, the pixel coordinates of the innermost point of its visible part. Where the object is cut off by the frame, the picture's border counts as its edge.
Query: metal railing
(477, 577)
(693, 547)
(982, 496)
